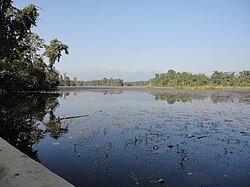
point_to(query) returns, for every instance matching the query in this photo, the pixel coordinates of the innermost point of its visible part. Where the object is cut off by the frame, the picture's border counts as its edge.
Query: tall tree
(54, 51)
(22, 64)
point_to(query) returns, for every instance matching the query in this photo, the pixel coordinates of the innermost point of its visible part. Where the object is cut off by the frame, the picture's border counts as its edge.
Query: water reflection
(23, 120)
(133, 138)
(26, 117)
(171, 98)
(218, 97)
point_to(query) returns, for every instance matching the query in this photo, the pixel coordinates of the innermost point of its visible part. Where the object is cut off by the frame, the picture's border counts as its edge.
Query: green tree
(173, 79)
(67, 80)
(223, 78)
(74, 82)
(22, 65)
(54, 51)
(216, 78)
(244, 78)
(103, 82)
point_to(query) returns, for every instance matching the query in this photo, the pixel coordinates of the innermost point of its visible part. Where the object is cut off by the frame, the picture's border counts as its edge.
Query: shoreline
(17, 169)
(138, 88)
(146, 88)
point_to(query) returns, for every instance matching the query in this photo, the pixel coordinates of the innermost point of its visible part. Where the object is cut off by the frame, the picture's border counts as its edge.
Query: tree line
(102, 82)
(172, 79)
(66, 81)
(218, 78)
(26, 62)
(136, 83)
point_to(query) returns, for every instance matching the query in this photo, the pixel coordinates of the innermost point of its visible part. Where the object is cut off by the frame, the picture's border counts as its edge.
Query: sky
(141, 37)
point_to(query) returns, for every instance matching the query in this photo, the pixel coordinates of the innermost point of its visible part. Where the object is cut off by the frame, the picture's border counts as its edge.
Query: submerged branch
(72, 117)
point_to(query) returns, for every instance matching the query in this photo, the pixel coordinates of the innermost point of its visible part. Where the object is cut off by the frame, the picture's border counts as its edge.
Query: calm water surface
(186, 138)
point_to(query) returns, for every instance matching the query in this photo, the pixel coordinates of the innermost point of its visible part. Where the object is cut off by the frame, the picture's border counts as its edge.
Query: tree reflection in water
(22, 115)
(198, 140)
(216, 98)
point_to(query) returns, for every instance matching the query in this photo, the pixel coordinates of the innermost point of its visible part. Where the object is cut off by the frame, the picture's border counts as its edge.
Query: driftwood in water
(72, 117)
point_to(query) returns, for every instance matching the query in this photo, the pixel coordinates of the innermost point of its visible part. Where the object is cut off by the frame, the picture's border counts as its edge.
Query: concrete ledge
(17, 169)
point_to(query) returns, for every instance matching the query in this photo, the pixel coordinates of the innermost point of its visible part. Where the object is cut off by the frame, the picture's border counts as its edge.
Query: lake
(112, 137)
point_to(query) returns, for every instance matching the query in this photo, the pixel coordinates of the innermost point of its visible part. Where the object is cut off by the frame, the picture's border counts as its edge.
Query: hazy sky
(148, 35)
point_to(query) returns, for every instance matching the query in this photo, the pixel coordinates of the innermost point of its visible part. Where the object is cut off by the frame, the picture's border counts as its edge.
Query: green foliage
(173, 79)
(103, 82)
(166, 79)
(244, 78)
(65, 81)
(136, 83)
(22, 64)
(54, 51)
(186, 79)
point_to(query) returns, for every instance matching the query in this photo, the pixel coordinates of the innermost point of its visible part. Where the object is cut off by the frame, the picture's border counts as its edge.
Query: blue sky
(147, 35)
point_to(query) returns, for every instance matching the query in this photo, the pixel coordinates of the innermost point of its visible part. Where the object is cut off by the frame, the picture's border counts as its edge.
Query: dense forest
(26, 62)
(103, 82)
(66, 81)
(218, 78)
(136, 83)
(172, 79)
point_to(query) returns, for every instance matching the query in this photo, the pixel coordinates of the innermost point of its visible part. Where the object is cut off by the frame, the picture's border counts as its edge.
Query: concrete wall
(17, 169)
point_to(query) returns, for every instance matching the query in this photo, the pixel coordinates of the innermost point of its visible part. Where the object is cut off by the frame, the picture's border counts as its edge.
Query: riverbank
(139, 88)
(17, 169)
(152, 88)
